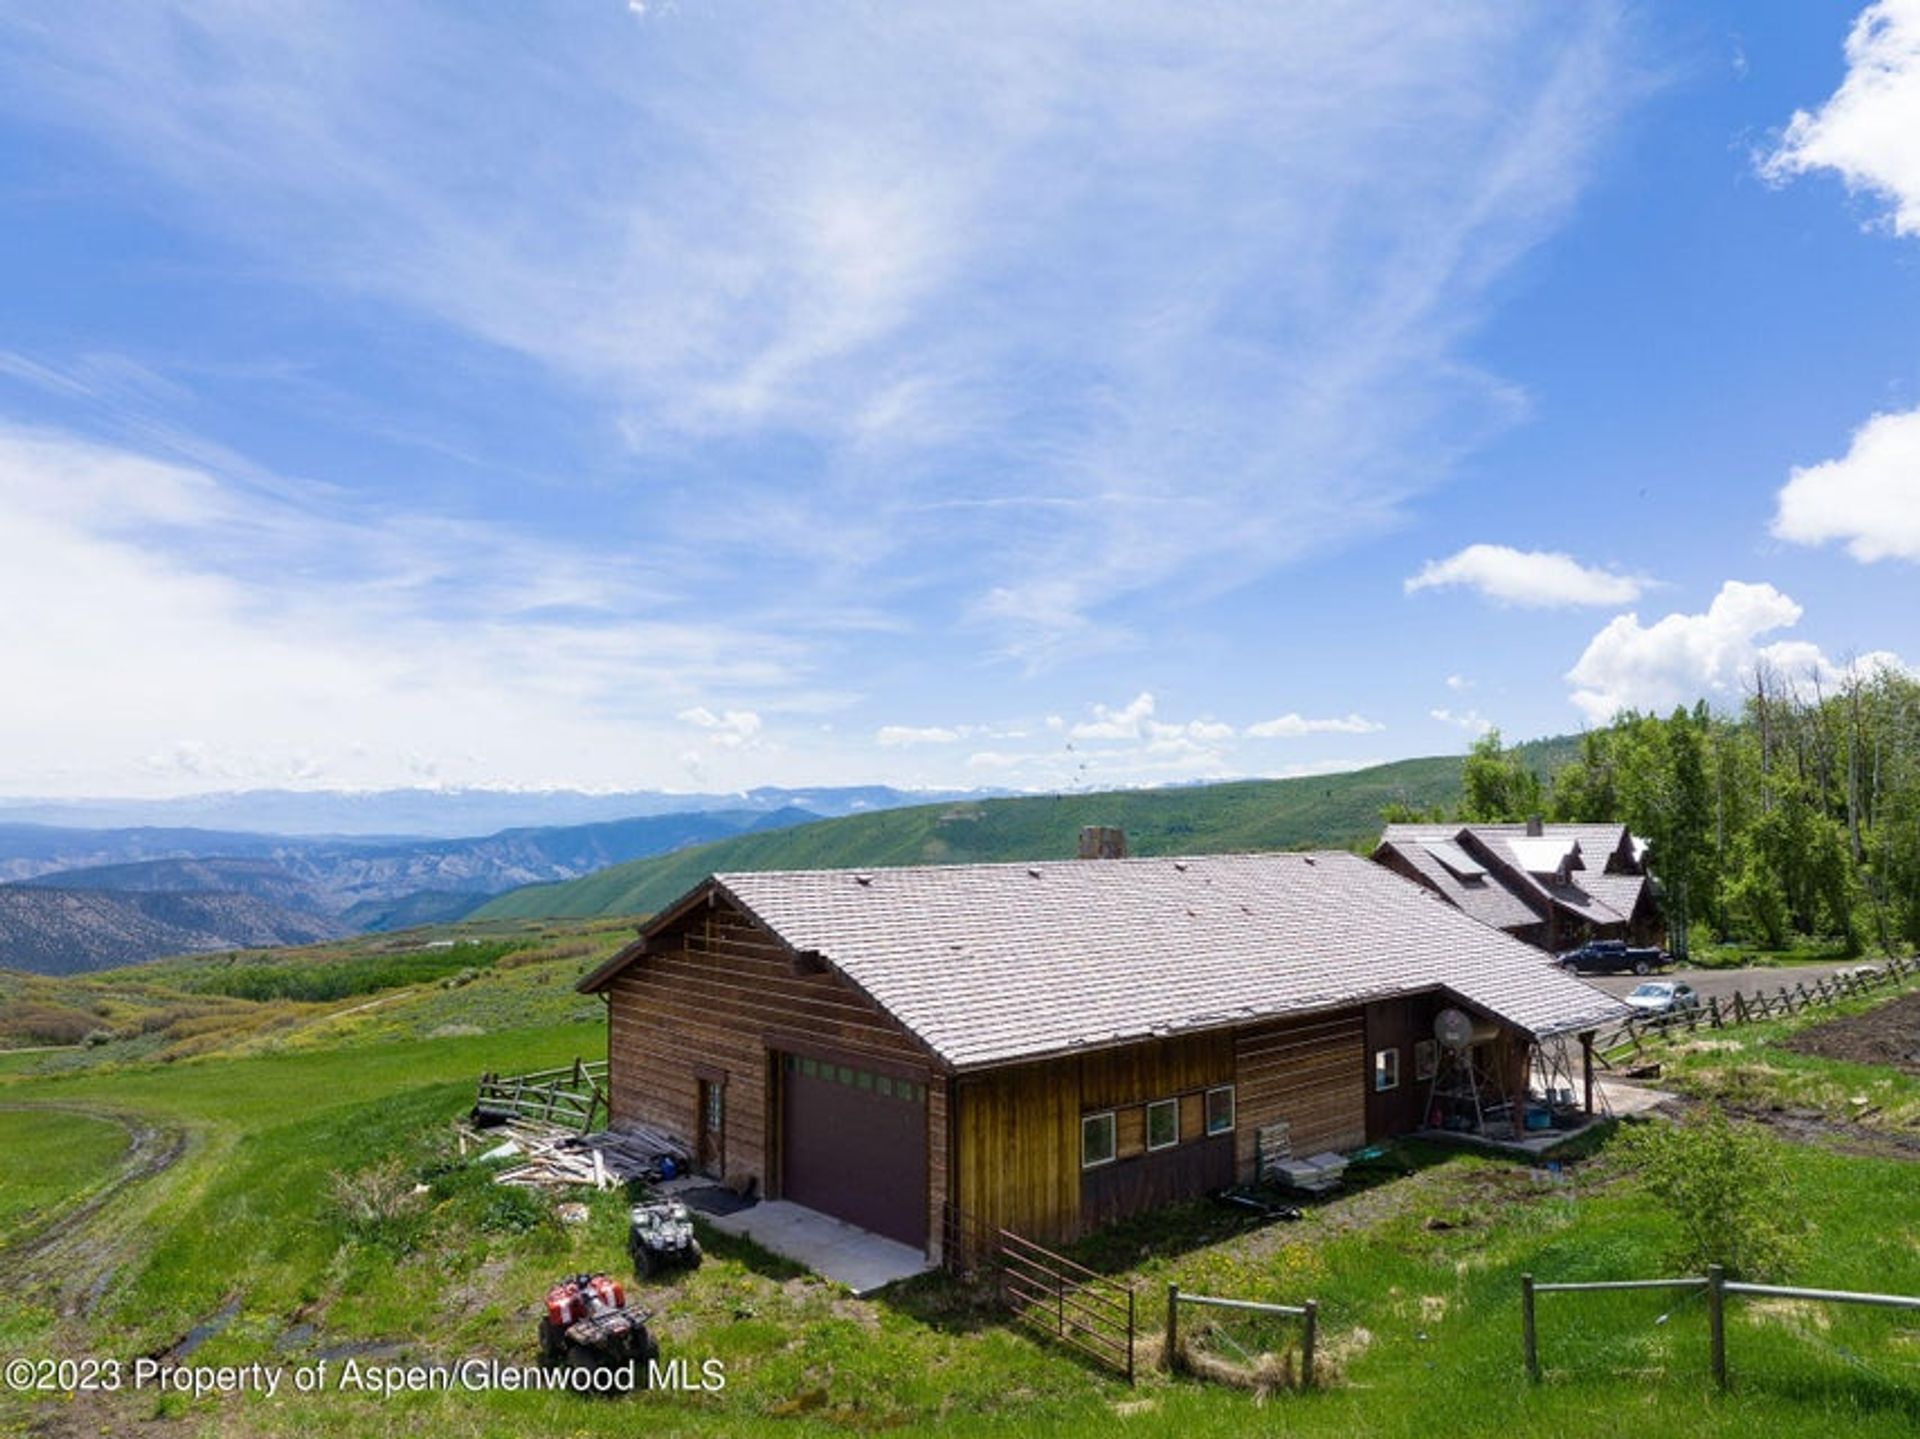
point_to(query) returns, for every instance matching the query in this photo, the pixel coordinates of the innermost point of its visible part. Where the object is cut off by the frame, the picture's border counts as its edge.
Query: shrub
(1724, 1185)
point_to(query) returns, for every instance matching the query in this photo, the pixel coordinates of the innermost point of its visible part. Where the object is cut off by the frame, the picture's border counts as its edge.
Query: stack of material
(551, 1157)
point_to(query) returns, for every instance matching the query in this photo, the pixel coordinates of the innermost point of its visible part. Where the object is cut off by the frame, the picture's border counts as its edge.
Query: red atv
(588, 1325)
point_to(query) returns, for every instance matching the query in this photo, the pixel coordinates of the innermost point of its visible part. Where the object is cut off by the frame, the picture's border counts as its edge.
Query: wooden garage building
(1049, 1046)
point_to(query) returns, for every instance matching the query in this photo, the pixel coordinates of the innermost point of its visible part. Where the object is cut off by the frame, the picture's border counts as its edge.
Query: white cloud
(1170, 277)
(190, 630)
(1292, 726)
(1869, 129)
(731, 729)
(1129, 721)
(1869, 497)
(1459, 683)
(1713, 655)
(897, 735)
(1536, 579)
(1472, 721)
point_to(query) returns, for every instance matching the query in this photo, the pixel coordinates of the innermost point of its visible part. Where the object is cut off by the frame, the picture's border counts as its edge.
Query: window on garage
(1099, 1139)
(1386, 1069)
(1163, 1124)
(1220, 1109)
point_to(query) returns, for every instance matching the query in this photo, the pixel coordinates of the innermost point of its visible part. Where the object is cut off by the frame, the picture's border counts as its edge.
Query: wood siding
(1018, 1135)
(715, 996)
(1309, 1072)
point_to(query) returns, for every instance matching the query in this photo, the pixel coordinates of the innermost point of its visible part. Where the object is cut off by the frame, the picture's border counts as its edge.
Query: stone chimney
(1101, 841)
(1534, 827)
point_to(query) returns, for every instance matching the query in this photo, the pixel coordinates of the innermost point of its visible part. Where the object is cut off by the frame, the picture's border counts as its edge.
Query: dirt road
(1709, 983)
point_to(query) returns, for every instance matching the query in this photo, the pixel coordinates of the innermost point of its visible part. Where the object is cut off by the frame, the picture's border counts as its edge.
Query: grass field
(320, 1206)
(70, 1155)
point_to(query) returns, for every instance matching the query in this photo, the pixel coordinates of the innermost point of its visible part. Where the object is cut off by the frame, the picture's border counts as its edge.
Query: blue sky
(699, 395)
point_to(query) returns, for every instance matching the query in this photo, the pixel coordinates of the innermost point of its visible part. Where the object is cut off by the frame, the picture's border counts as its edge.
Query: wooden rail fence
(1308, 1314)
(569, 1096)
(1717, 1287)
(1746, 1009)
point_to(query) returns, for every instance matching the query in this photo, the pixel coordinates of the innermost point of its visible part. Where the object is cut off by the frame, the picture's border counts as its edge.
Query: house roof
(1529, 876)
(992, 963)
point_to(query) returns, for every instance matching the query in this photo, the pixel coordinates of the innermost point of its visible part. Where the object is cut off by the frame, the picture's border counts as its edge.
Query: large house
(1049, 1046)
(1552, 885)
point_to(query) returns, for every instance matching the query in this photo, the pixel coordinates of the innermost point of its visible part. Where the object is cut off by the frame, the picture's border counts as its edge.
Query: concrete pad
(832, 1248)
(1625, 1098)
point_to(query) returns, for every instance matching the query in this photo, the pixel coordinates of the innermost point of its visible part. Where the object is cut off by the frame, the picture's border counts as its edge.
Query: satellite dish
(1457, 1029)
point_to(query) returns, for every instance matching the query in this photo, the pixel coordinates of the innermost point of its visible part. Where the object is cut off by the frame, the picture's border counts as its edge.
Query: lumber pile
(542, 1155)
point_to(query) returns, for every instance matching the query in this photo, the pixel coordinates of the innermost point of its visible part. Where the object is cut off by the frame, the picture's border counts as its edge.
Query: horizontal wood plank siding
(1310, 1072)
(710, 995)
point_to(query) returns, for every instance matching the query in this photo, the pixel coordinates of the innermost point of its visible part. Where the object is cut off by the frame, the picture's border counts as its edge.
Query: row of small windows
(1100, 1133)
(884, 1085)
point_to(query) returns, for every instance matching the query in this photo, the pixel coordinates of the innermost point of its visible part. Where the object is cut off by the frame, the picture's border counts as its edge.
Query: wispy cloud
(1535, 579)
(1173, 274)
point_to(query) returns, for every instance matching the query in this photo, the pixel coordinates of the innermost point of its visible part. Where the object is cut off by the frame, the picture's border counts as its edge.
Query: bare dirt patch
(1888, 1034)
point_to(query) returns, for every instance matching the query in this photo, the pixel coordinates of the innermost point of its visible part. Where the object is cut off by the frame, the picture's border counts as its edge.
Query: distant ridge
(1335, 811)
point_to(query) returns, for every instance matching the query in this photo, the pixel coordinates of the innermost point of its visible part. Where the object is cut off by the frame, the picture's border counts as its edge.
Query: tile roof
(1592, 893)
(992, 963)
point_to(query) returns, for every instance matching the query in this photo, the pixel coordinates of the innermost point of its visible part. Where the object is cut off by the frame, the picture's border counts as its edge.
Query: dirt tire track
(66, 1252)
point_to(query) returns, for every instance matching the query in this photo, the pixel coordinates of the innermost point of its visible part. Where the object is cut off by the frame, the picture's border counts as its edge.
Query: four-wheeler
(1613, 956)
(590, 1325)
(660, 1237)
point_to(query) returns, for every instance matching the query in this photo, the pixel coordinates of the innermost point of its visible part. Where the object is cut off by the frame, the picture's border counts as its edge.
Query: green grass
(1417, 1278)
(1750, 1066)
(1336, 810)
(245, 977)
(70, 1155)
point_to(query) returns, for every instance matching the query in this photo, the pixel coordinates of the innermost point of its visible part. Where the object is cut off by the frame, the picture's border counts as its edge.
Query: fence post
(1713, 1009)
(1173, 1327)
(1131, 1326)
(1739, 1008)
(1311, 1322)
(1717, 1323)
(1527, 1340)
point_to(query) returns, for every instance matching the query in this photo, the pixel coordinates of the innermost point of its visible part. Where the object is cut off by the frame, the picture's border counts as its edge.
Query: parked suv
(1613, 956)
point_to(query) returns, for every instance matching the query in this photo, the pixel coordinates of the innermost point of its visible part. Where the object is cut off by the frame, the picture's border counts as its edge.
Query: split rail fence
(1717, 1013)
(569, 1096)
(1717, 1287)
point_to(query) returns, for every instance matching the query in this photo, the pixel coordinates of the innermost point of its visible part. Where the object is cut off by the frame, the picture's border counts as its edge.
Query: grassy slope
(1417, 1278)
(72, 1153)
(1321, 810)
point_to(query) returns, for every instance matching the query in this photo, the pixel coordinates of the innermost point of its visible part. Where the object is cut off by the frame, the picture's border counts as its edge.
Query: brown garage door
(854, 1145)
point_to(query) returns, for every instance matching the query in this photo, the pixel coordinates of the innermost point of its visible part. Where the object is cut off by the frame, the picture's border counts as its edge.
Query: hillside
(65, 931)
(1328, 810)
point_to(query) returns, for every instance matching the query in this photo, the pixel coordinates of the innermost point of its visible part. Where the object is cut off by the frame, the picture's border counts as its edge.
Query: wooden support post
(1739, 1008)
(1527, 1340)
(1717, 1323)
(1310, 1324)
(1586, 1066)
(1131, 1327)
(1713, 1010)
(1172, 1351)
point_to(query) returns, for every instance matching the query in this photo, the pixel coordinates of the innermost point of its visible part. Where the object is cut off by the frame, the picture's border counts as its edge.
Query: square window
(1426, 1059)
(1220, 1109)
(909, 1092)
(810, 1068)
(1097, 1139)
(1163, 1124)
(846, 1075)
(1386, 1070)
(884, 1085)
(863, 1079)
